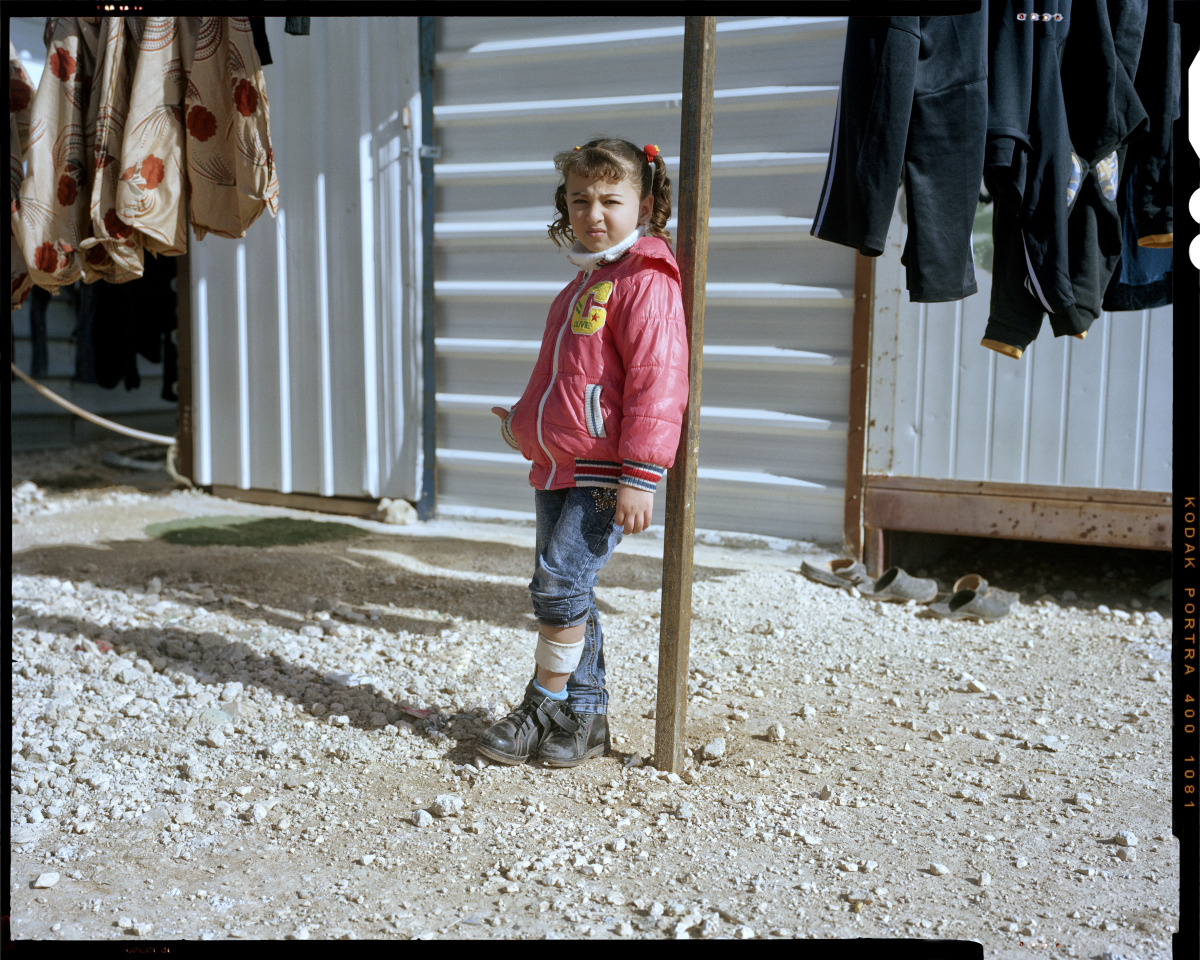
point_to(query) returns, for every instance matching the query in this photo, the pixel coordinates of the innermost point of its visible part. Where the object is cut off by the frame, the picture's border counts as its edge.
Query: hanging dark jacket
(1157, 84)
(1055, 180)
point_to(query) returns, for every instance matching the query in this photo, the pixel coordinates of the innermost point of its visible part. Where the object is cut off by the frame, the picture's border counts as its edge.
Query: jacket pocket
(593, 414)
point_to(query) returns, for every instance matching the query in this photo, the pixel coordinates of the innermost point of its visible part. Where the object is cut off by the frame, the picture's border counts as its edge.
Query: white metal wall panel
(509, 94)
(1080, 413)
(306, 334)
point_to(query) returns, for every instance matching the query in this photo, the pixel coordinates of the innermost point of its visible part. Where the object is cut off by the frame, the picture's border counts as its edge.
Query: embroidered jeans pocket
(593, 415)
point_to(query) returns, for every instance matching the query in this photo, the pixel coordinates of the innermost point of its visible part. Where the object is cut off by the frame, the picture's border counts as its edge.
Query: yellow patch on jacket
(588, 324)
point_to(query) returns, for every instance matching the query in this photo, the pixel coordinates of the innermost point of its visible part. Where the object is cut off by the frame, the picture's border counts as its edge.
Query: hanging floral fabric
(111, 253)
(20, 96)
(150, 188)
(51, 215)
(230, 166)
(138, 124)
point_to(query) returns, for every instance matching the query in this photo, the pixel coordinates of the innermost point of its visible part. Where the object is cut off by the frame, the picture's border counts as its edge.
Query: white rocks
(775, 732)
(1127, 854)
(976, 687)
(1126, 838)
(46, 880)
(446, 805)
(685, 811)
(422, 818)
(985, 879)
(939, 869)
(395, 511)
(339, 720)
(25, 834)
(256, 813)
(714, 749)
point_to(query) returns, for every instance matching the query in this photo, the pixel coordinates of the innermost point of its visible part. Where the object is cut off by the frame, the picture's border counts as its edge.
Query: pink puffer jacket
(606, 398)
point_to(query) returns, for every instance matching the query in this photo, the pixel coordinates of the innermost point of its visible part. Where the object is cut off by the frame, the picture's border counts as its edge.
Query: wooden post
(860, 370)
(695, 156)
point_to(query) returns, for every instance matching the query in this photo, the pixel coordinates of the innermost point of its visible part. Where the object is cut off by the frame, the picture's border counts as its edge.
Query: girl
(600, 419)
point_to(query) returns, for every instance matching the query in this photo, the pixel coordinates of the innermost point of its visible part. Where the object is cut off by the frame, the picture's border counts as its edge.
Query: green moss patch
(232, 531)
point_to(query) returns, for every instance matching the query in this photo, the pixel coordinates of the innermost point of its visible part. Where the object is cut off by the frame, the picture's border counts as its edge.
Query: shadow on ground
(273, 572)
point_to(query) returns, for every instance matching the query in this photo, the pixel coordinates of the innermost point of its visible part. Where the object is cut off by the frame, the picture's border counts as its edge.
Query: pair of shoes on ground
(971, 598)
(895, 586)
(545, 729)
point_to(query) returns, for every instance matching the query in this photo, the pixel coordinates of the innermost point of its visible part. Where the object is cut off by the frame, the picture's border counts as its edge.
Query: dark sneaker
(568, 748)
(516, 738)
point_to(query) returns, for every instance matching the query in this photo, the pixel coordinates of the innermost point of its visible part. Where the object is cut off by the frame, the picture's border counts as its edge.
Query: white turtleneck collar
(587, 261)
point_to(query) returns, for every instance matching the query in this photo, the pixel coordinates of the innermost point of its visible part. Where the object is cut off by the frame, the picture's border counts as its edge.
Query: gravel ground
(216, 741)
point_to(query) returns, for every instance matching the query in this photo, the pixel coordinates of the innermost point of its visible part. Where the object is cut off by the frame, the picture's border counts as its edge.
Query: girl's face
(604, 212)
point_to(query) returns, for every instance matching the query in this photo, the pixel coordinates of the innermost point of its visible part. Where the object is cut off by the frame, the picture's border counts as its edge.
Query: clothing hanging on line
(1076, 128)
(136, 319)
(1143, 278)
(1062, 109)
(137, 122)
(262, 46)
(1152, 157)
(912, 107)
(20, 101)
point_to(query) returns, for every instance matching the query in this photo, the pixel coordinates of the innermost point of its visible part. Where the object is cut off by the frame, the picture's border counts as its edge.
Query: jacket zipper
(554, 376)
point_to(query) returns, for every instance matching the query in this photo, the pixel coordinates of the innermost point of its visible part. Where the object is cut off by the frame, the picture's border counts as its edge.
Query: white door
(306, 337)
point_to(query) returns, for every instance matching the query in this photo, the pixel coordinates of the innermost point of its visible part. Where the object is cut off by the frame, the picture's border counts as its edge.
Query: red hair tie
(651, 151)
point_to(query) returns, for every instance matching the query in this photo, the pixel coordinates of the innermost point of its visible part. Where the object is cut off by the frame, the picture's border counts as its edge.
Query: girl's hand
(634, 508)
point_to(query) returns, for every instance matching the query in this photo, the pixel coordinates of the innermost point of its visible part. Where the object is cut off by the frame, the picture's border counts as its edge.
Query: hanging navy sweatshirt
(1061, 108)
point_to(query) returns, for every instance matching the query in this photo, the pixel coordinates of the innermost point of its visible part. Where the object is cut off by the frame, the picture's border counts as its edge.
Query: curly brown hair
(611, 159)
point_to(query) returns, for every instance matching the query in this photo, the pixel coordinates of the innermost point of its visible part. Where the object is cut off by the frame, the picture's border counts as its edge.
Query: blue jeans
(575, 537)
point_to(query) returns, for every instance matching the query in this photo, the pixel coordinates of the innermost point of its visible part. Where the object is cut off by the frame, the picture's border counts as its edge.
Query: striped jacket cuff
(643, 476)
(507, 434)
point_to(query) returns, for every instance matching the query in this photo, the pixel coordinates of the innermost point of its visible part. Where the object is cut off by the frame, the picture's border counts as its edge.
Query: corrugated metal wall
(509, 94)
(1079, 413)
(306, 334)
